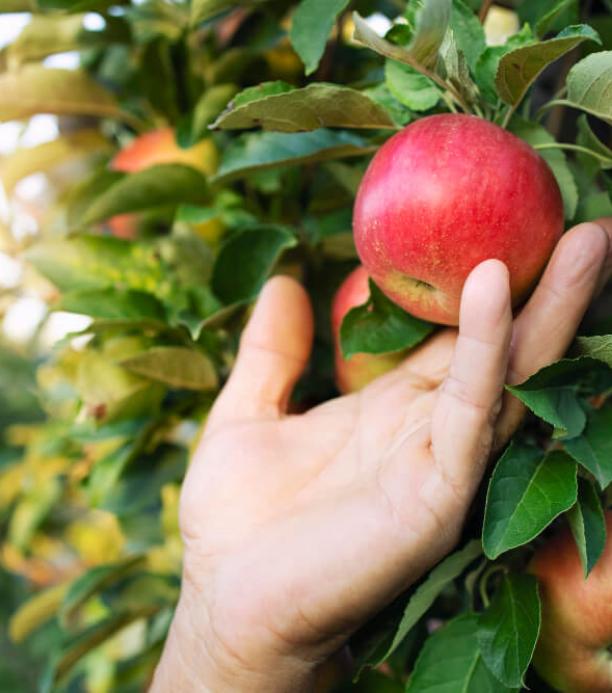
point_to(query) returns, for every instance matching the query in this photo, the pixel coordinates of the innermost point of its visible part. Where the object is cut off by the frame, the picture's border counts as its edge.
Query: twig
(484, 10)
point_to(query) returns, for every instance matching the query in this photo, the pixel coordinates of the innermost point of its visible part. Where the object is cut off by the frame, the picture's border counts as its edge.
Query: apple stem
(574, 148)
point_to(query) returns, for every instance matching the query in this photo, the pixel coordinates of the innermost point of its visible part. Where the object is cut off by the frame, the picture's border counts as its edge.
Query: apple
(160, 147)
(574, 651)
(441, 196)
(357, 371)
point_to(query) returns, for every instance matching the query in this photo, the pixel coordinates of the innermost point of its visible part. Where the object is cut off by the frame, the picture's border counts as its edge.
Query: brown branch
(484, 10)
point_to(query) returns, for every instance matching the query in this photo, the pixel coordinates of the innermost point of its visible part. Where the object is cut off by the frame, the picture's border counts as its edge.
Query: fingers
(547, 324)
(274, 349)
(469, 398)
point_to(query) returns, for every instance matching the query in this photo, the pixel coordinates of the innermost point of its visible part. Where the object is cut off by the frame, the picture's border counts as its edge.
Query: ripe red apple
(151, 149)
(574, 652)
(357, 371)
(441, 196)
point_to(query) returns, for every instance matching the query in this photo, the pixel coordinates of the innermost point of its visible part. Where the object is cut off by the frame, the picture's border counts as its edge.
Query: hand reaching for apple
(299, 528)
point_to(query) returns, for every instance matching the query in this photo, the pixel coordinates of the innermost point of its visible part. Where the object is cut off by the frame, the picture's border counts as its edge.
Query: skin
(444, 194)
(573, 652)
(356, 372)
(298, 528)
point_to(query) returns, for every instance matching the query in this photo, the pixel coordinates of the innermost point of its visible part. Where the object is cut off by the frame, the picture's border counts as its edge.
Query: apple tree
(200, 146)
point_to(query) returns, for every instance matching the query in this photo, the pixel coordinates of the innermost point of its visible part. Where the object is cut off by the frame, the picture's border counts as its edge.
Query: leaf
(450, 661)
(44, 157)
(311, 25)
(552, 395)
(310, 108)
(48, 34)
(518, 69)
(85, 641)
(589, 85)
(427, 592)
(261, 91)
(246, 260)
(191, 130)
(263, 150)
(587, 138)
(526, 492)
(593, 449)
(588, 525)
(508, 630)
(92, 582)
(34, 89)
(534, 135)
(598, 347)
(379, 326)
(112, 304)
(157, 186)
(97, 262)
(562, 13)
(422, 51)
(35, 611)
(468, 32)
(410, 87)
(202, 10)
(177, 367)
(456, 69)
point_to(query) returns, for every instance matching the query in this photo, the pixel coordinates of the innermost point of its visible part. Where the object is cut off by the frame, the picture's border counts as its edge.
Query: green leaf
(589, 84)
(519, 69)
(205, 9)
(450, 661)
(34, 89)
(97, 262)
(422, 50)
(588, 525)
(485, 70)
(209, 106)
(427, 592)
(410, 87)
(587, 138)
(310, 108)
(562, 13)
(508, 630)
(534, 135)
(526, 492)
(92, 582)
(246, 260)
(593, 449)
(263, 150)
(112, 304)
(468, 31)
(552, 395)
(157, 186)
(178, 367)
(311, 25)
(261, 91)
(380, 326)
(456, 69)
(598, 347)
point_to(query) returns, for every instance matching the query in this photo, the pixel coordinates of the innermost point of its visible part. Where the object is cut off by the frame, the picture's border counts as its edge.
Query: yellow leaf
(36, 611)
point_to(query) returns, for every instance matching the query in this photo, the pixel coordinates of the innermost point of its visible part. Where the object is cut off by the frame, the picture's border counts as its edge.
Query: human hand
(299, 528)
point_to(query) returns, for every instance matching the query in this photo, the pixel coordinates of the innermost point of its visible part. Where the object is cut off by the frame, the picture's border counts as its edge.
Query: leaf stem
(508, 115)
(484, 10)
(574, 148)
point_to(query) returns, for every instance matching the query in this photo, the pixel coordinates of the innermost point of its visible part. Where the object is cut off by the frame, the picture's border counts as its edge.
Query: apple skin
(574, 652)
(444, 194)
(356, 372)
(152, 149)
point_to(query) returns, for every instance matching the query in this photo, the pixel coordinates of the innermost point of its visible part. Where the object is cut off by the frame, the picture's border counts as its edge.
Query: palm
(328, 515)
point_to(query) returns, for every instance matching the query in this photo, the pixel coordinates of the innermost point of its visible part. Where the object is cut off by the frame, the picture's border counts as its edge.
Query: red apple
(357, 371)
(441, 196)
(574, 652)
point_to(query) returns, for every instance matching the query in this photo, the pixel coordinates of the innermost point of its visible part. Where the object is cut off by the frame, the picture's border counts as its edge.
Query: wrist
(194, 660)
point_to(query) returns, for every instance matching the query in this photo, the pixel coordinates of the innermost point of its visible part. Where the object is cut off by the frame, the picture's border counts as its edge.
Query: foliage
(292, 98)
